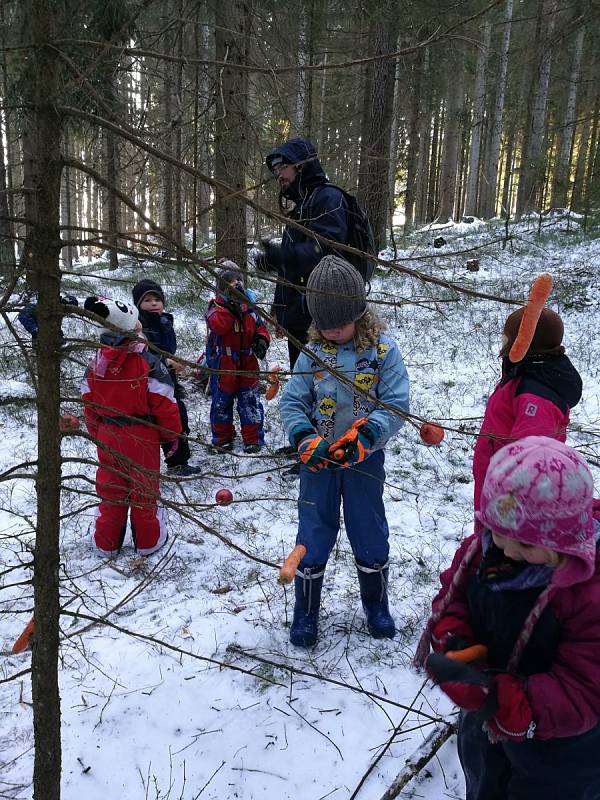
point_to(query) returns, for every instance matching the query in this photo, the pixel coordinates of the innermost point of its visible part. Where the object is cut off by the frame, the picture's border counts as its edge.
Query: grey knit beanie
(335, 293)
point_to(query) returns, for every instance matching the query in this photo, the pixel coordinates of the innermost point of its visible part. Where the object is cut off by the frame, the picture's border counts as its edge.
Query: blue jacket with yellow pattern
(315, 396)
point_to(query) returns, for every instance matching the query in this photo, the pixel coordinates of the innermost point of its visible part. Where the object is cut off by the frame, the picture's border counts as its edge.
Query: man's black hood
(301, 153)
(553, 371)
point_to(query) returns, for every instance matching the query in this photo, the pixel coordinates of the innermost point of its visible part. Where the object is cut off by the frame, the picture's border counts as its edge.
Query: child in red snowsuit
(534, 396)
(237, 338)
(124, 389)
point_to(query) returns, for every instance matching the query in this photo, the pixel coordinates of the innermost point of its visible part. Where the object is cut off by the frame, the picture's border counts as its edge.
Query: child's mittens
(451, 633)
(367, 436)
(356, 444)
(499, 700)
(312, 449)
(513, 718)
(259, 347)
(466, 686)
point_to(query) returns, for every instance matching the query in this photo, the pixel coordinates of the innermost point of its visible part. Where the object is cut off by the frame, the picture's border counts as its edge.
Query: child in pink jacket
(534, 396)
(527, 587)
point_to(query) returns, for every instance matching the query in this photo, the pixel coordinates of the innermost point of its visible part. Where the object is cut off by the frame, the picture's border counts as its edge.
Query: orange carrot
(290, 565)
(24, 639)
(540, 290)
(476, 652)
(273, 386)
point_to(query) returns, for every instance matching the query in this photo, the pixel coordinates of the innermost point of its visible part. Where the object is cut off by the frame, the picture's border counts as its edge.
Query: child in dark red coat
(527, 588)
(129, 409)
(534, 396)
(237, 338)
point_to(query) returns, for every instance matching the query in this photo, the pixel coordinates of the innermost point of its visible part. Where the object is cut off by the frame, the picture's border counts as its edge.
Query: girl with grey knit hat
(347, 397)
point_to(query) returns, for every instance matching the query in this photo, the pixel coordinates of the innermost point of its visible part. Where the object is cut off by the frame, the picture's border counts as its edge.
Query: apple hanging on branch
(431, 433)
(223, 497)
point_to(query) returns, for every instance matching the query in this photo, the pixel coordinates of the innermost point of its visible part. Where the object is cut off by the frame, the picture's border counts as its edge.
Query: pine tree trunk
(413, 124)
(451, 144)
(300, 110)
(472, 187)
(373, 187)
(487, 201)
(7, 242)
(506, 204)
(41, 82)
(231, 126)
(7, 228)
(585, 113)
(560, 186)
(422, 168)
(394, 141)
(531, 171)
(322, 134)
(166, 139)
(434, 164)
(177, 136)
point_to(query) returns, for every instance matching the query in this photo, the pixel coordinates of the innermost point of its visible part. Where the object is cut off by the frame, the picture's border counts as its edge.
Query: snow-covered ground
(191, 688)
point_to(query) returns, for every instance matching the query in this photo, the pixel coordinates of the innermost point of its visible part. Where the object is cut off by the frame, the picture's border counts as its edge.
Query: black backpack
(360, 235)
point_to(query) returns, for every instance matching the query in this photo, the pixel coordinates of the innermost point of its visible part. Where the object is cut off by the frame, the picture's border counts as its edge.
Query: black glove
(272, 258)
(259, 347)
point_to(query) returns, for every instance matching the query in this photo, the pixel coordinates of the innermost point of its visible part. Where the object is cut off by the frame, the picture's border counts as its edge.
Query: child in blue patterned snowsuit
(365, 399)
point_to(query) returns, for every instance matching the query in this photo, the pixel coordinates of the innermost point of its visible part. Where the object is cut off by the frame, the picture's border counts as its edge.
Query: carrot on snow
(290, 565)
(273, 386)
(540, 290)
(24, 639)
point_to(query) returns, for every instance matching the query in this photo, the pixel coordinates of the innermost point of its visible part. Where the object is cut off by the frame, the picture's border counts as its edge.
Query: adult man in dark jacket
(319, 206)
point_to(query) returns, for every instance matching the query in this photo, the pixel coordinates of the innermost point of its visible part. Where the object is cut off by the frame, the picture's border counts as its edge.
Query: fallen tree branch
(421, 756)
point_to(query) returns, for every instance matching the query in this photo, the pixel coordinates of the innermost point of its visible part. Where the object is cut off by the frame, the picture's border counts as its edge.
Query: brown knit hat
(548, 332)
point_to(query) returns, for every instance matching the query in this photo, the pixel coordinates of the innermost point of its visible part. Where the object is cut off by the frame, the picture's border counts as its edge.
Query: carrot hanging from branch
(273, 386)
(540, 291)
(290, 565)
(24, 640)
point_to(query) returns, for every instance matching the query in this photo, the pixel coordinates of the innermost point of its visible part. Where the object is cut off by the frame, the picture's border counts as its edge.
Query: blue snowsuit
(159, 330)
(321, 208)
(315, 398)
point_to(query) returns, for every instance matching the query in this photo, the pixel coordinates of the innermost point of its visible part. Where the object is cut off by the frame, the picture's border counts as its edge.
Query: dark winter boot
(305, 624)
(373, 592)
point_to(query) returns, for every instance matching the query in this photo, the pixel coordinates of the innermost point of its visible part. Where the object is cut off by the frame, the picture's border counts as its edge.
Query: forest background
(135, 132)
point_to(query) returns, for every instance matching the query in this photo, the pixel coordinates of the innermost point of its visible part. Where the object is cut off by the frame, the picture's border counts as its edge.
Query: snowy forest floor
(191, 688)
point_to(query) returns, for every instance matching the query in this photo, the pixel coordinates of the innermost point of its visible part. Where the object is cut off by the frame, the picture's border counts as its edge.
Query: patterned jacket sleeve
(566, 700)
(393, 390)
(161, 398)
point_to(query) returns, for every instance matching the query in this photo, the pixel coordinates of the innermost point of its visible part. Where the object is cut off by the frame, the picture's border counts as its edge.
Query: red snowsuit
(122, 385)
(231, 331)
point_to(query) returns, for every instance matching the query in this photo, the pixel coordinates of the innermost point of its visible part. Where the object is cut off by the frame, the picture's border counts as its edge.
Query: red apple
(68, 422)
(431, 433)
(223, 497)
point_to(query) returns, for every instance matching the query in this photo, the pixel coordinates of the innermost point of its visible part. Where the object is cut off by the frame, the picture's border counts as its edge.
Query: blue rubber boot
(373, 582)
(305, 624)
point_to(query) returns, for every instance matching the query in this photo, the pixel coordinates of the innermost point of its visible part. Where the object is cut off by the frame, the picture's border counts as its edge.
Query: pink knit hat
(540, 491)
